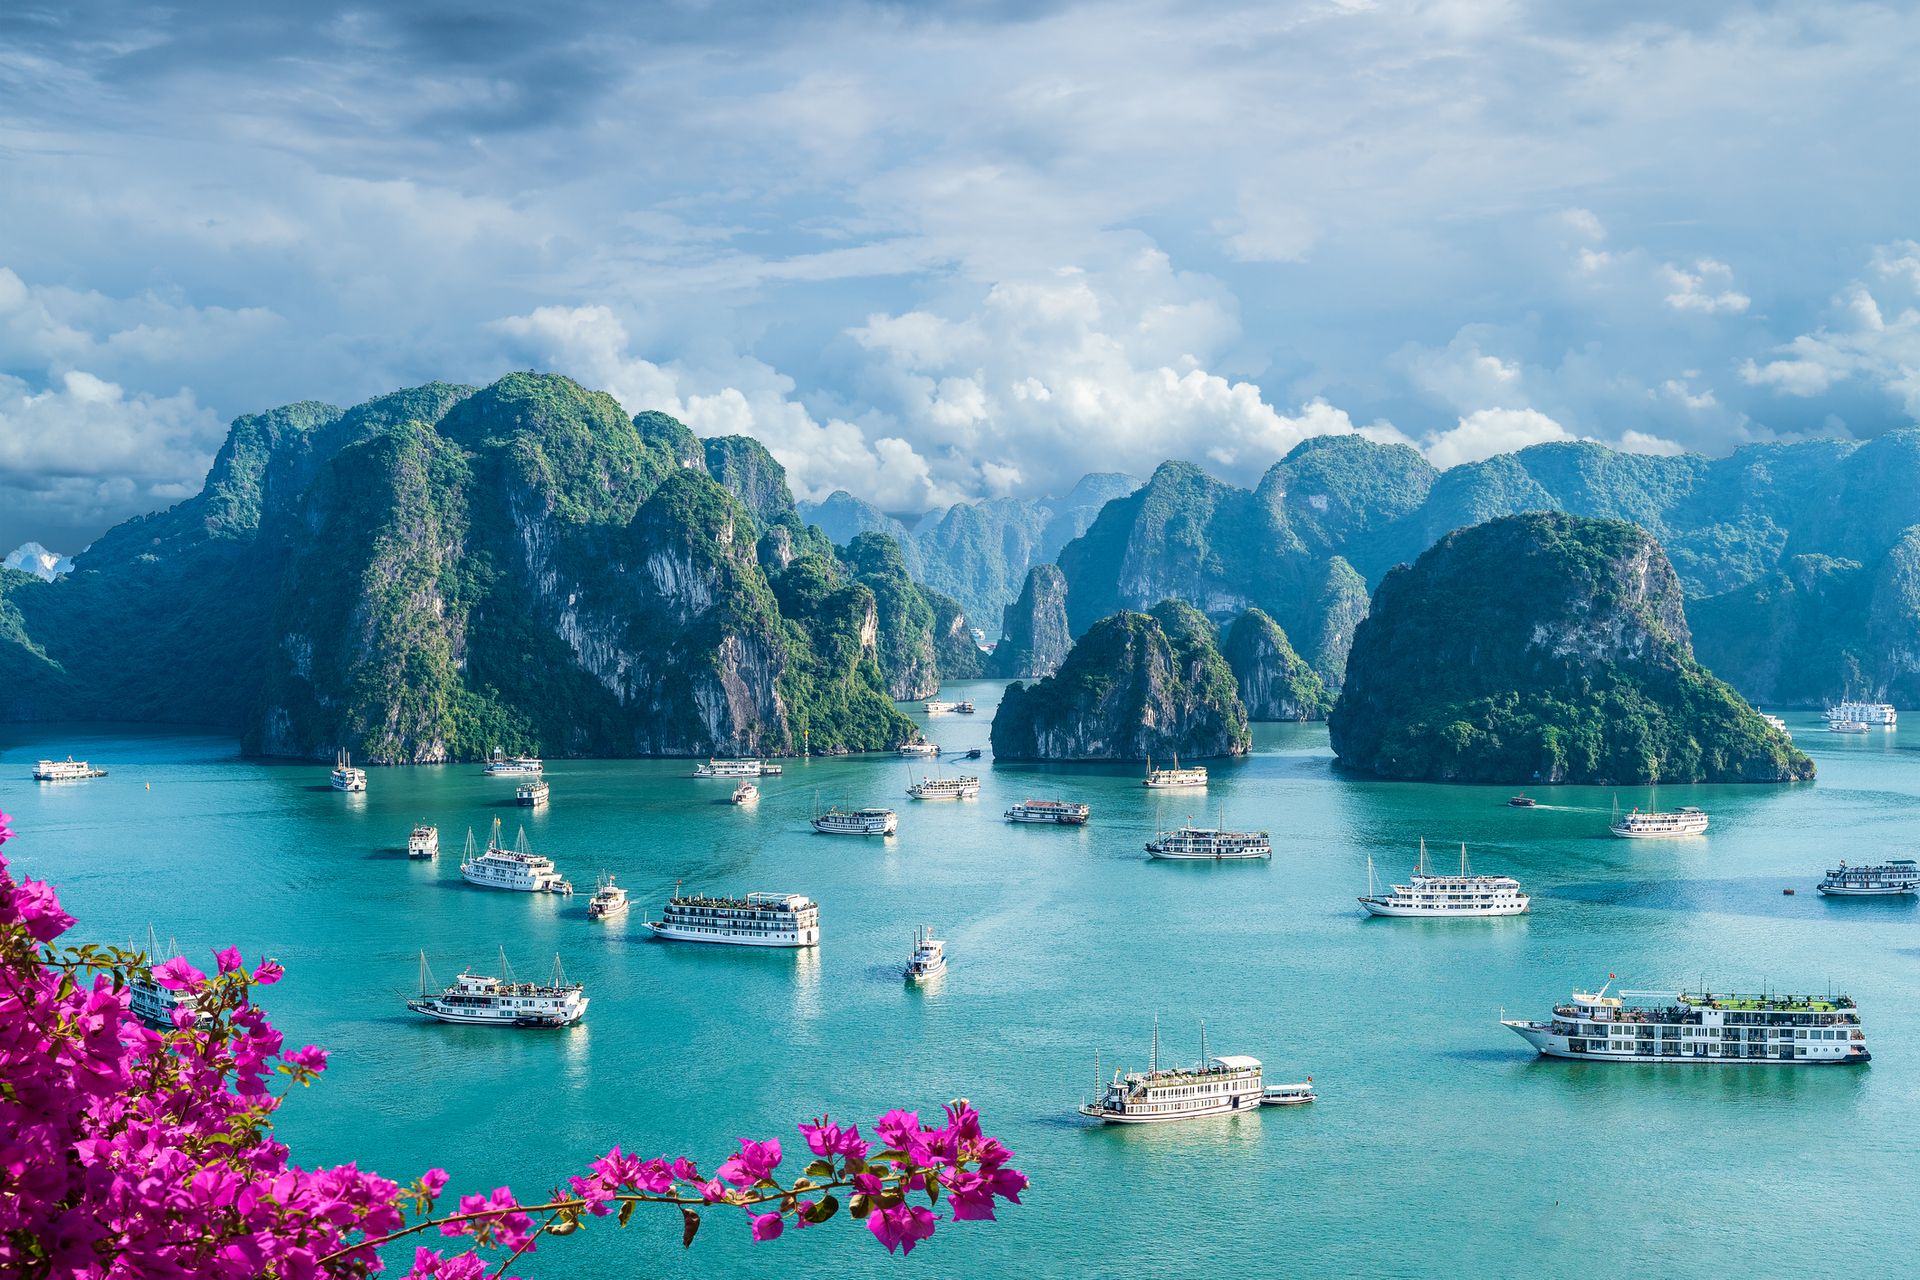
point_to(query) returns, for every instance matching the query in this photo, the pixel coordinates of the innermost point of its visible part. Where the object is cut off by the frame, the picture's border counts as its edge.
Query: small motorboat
(745, 793)
(608, 901)
(1522, 802)
(974, 754)
(1788, 892)
(928, 959)
(1289, 1095)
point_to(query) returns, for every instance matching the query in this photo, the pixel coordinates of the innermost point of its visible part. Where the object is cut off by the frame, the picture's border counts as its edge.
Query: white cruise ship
(935, 708)
(1066, 813)
(1636, 825)
(150, 1002)
(1877, 715)
(1897, 878)
(961, 788)
(68, 770)
(1442, 897)
(1675, 1026)
(505, 766)
(856, 822)
(518, 868)
(1216, 1087)
(346, 777)
(532, 794)
(1208, 844)
(1777, 722)
(1849, 726)
(928, 959)
(1174, 777)
(919, 748)
(424, 842)
(608, 900)
(736, 769)
(757, 920)
(494, 1002)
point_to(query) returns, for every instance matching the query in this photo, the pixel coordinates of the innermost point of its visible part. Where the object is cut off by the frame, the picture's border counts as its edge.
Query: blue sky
(928, 252)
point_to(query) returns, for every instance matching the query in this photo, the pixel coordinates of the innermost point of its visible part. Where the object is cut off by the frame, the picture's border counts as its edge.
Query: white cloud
(1486, 432)
(1680, 390)
(1789, 377)
(1870, 338)
(1708, 287)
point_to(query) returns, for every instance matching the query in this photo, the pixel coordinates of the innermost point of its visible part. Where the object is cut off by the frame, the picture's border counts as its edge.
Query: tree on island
(126, 1151)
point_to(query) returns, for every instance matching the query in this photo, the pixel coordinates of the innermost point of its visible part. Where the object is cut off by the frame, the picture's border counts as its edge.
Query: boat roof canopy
(1237, 1062)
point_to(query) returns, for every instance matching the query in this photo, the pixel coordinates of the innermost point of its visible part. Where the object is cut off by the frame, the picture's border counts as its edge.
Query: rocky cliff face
(1544, 648)
(745, 469)
(1135, 686)
(956, 655)
(1275, 683)
(905, 620)
(1034, 638)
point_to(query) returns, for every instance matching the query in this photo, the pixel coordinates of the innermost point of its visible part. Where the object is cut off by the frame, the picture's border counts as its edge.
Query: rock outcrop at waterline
(1135, 686)
(1034, 638)
(1544, 648)
(1275, 682)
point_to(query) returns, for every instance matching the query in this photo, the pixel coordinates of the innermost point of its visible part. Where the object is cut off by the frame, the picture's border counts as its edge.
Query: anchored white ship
(1849, 726)
(1174, 777)
(152, 1003)
(68, 770)
(1778, 722)
(1877, 715)
(1209, 844)
(736, 769)
(1066, 813)
(1216, 1087)
(856, 822)
(482, 1000)
(1289, 1095)
(961, 788)
(757, 920)
(919, 748)
(1444, 897)
(424, 842)
(501, 765)
(1897, 878)
(345, 776)
(928, 960)
(745, 793)
(518, 868)
(531, 795)
(1676, 1026)
(936, 708)
(608, 900)
(1636, 825)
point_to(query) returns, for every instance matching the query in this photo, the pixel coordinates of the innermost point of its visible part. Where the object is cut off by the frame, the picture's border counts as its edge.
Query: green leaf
(823, 1210)
(860, 1206)
(820, 1169)
(626, 1211)
(689, 1223)
(933, 1189)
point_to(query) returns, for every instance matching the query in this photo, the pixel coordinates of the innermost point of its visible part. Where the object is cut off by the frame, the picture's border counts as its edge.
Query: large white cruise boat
(518, 868)
(346, 777)
(1444, 897)
(934, 707)
(1216, 1087)
(1777, 722)
(919, 748)
(1677, 1026)
(714, 768)
(1636, 825)
(1897, 878)
(502, 765)
(152, 1003)
(1877, 715)
(532, 794)
(961, 788)
(757, 920)
(1066, 813)
(1174, 777)
(856, 822)
(68, 770)
(482, 1000)
(424, 841)
(1209, 844)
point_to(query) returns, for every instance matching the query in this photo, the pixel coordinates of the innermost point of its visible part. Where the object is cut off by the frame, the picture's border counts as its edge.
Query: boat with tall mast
(1217, 1086)
(928, 959)
(1446, 897)
(1176, 777)
(345, 776)
(1708, 1028)
(484, 1000)
(152, 1003)
(518, 868)
(1636, 825)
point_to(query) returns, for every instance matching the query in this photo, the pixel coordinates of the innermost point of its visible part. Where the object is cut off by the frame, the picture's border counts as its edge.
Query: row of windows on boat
(1194, 1090)
(1670, 1032)
(1691, 1016)
(1694, 1048)
(755, 920)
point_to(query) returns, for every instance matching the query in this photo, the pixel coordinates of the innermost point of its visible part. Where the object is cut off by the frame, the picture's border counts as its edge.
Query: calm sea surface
(1441, 1146)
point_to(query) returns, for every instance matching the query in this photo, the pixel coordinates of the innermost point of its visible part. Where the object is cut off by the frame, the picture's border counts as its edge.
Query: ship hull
(1377, 907)
(1854, 891)
(673, 933)
(917, 976)
(1550, 1045)
(428, 1009)
(1658, 835)
(1208, 857)
(1237, 1105)
(1046, 821)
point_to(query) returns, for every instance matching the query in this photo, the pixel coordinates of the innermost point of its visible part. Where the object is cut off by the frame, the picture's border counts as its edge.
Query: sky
(927, 253)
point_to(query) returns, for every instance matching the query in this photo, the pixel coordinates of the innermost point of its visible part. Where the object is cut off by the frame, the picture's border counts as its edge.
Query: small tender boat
(1289, 1095)
(424, 842)
(963, 708)
(973, 753)
(608, 900)
(1849, 726)
(1522, 802)
(928, 959)
(745, 793)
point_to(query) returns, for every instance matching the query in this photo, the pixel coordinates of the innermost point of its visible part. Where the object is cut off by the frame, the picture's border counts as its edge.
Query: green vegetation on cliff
(1136, 685)
(904, 618)
(1544, 648)
(1275, 682)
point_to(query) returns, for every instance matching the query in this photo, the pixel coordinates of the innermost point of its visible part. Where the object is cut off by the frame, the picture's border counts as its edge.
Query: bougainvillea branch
(128, 1151)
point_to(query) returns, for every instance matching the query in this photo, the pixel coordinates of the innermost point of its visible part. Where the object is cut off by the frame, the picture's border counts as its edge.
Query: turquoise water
(1440, 1145)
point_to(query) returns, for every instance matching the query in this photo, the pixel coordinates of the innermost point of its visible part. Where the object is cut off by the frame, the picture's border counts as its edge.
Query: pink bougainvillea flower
(313, 1058)
(828, 1139)
(902, 1226)
(178, 975)
(227, 960)
(754, 1161)
(268, 973)
(767, 1226)
(39, 909)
